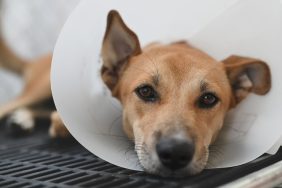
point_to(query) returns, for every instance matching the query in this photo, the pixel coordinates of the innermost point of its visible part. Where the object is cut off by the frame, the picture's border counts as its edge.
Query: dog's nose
(175, 153)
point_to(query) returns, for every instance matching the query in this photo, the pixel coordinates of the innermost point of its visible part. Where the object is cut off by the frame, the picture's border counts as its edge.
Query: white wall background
(30, 28)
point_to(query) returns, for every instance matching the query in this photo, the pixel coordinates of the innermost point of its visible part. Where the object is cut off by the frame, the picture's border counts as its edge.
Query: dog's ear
(247, 75)
(119, 44)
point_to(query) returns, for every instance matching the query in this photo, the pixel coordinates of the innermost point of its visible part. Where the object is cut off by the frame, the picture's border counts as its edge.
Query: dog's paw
(57, 128)
(20, 122)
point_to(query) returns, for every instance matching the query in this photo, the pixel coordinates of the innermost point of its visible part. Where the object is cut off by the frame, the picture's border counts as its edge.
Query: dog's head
(174, 96)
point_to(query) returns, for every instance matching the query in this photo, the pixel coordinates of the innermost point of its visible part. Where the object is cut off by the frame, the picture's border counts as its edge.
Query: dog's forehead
(178, 64)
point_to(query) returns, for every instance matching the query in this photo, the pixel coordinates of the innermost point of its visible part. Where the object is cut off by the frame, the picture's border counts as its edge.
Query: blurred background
(30, 28)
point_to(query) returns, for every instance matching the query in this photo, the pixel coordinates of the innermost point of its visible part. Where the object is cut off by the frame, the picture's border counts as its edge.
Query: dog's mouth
(170, 166)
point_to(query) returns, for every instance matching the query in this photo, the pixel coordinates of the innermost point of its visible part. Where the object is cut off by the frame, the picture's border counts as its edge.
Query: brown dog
(174, 96)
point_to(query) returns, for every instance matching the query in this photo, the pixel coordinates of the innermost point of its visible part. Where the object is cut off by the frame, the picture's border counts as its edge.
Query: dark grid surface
(35, 161)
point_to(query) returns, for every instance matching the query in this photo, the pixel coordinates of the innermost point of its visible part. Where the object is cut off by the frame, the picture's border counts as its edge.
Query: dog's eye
(207, 100)
(146, 93)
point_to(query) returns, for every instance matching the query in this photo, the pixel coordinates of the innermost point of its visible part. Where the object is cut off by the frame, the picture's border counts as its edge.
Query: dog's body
(35, 101)
(174, 96)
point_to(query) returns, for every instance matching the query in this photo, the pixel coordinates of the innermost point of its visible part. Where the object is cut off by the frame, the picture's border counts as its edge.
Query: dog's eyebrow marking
(203, 86)
(156, 79)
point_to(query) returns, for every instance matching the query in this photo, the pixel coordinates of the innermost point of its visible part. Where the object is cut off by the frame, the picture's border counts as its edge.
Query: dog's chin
(152, 165)
(165, 172)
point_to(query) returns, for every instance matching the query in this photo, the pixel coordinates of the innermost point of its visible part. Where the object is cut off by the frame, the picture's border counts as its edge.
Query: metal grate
(35, 161)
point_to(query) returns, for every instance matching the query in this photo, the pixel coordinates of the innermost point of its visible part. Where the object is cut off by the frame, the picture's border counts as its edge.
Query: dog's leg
(57, 128)
(20, 121)
(15, 104)
(35, 91)
(23, 120)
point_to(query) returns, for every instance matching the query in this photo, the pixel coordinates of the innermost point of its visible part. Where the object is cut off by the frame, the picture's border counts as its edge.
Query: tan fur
(180, 74)
(37, 88)
(181, 71)
(9, 60)
(58, 128)
(241, 70)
